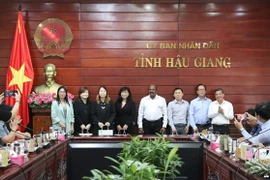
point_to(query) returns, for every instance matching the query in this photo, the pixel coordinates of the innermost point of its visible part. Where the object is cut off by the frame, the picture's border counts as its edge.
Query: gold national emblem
(53, 37)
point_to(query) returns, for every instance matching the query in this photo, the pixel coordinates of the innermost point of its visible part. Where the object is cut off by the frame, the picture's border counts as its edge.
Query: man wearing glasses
(198, 110)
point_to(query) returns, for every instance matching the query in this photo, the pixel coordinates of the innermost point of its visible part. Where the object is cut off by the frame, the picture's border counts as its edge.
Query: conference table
(51, 163)
(45, 164)
(225, 166)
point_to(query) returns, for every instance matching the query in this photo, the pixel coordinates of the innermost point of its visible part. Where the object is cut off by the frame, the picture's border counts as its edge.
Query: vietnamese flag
(20, 74)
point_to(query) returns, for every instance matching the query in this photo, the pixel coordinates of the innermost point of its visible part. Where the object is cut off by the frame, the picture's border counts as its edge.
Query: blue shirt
(256, 130)
(198, 111)
(262, 137)
(3, 131)
(177, 112)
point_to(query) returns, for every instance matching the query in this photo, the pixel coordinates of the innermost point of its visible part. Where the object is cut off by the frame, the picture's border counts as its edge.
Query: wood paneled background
(109, 34)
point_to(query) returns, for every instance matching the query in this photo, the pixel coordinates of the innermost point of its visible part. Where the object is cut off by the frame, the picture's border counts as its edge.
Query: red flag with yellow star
(20, 74)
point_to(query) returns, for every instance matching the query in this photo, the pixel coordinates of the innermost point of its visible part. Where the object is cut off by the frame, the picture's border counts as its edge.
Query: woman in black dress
(125, 111)
(82, 111)
(103, 111)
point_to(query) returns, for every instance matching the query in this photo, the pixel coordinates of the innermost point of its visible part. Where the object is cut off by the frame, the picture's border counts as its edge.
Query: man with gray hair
(221, 112)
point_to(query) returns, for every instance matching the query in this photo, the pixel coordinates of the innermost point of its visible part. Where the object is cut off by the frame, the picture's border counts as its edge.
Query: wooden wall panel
(173, 72)
(233, 53)
(129, 7)
(195, 16)
(110, 17)
(139, 35)
(172, 35)
(37, 16)
(135, 44)
(108, 35)
(33, 6)
(126, 26)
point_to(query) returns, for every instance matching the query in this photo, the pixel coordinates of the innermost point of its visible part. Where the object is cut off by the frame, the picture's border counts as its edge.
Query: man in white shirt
(221, 111)
(152, 114)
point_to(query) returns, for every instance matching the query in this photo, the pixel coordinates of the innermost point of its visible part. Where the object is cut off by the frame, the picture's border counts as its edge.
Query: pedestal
(41, 120)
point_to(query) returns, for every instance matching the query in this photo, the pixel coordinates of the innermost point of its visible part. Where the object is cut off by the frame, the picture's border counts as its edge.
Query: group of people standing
(153, 113)
(184, 118)
(86, 116)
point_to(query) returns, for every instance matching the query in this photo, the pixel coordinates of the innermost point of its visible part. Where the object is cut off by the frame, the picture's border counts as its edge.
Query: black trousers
(221, 129)
(152, 127)
(200, 127)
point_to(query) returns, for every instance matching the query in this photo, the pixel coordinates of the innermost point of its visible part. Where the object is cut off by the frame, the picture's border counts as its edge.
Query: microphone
(38, 149)
(19, 124)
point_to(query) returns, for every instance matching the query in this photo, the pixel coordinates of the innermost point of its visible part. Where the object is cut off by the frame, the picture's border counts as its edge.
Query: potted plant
(140, 159)
(127, 170)
(153, 152)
